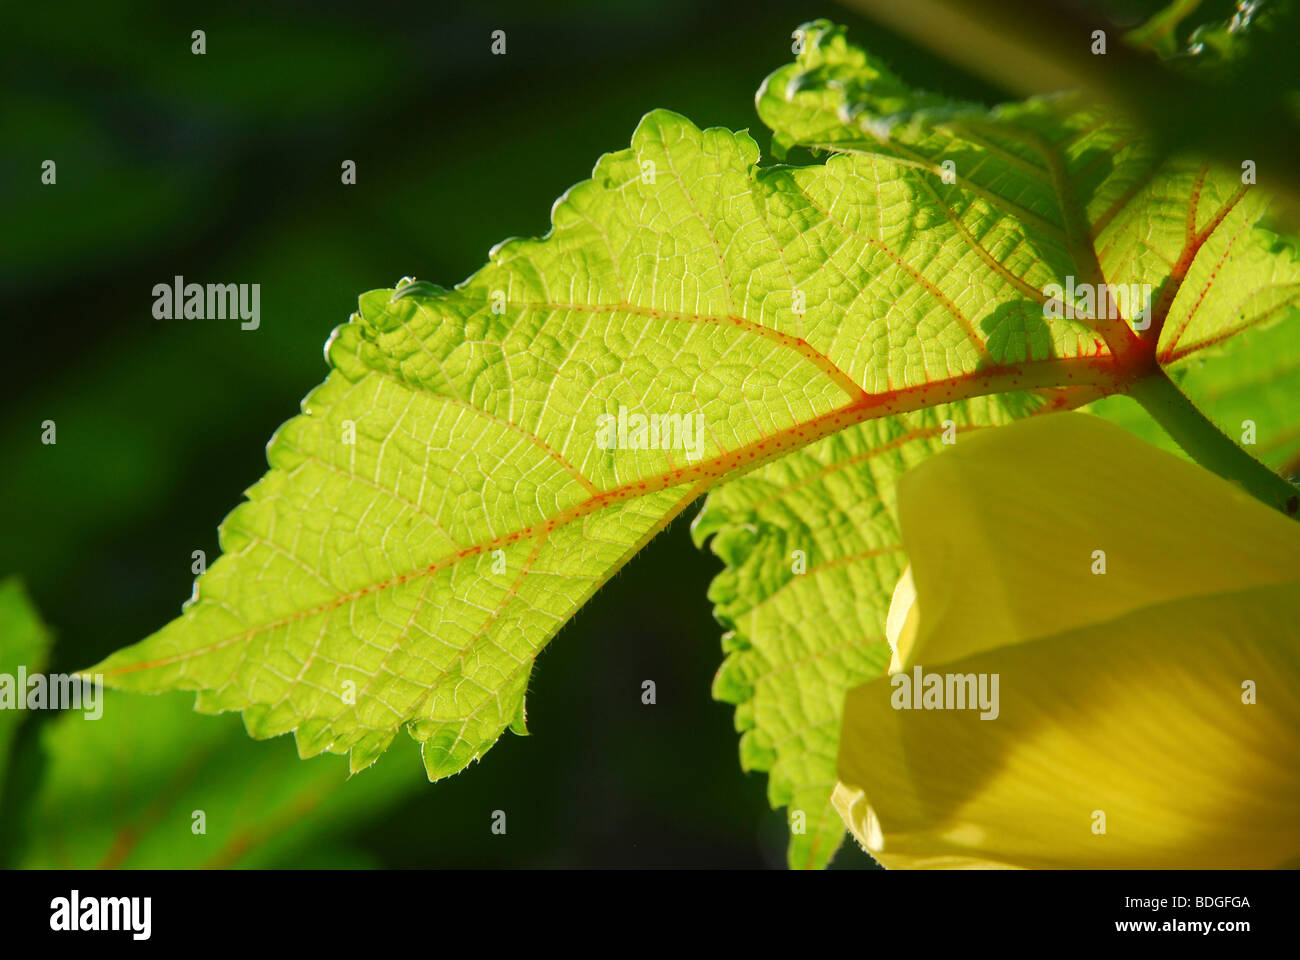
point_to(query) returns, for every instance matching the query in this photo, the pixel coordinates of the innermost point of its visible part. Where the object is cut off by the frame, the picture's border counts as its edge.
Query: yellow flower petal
(1140, 720)
(900, 622)
(1121, 738)
(1003, 532)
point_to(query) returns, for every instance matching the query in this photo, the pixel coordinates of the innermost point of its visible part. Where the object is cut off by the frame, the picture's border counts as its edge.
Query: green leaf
(1049, 188)
(124, 790)
(796, 645)
(24, 642)
(812, 553)
(1160, 33)
(445, 503)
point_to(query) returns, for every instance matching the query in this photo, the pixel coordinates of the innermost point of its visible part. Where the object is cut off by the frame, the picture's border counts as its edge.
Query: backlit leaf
(443, 505)
(1050, 187)
(445, 502)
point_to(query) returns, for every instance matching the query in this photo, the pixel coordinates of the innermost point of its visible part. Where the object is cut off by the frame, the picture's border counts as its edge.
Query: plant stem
(1206, 444)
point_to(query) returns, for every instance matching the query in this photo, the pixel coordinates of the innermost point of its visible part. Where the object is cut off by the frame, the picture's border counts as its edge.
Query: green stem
(1208, 446)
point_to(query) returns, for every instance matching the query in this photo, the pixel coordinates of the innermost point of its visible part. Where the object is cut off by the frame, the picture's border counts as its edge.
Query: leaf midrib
(1092, 371)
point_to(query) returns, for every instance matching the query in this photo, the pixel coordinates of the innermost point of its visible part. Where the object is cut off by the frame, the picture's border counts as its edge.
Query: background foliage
(226, 168)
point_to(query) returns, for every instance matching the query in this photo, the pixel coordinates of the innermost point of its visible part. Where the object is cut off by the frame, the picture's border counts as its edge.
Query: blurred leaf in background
(147, 782)
(25, 645)
(152, 784)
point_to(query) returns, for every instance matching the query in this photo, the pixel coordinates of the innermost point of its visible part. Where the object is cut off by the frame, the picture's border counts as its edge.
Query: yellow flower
(1115, 635)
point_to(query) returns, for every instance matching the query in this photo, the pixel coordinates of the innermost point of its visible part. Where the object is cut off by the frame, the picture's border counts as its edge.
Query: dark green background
(225, 168)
